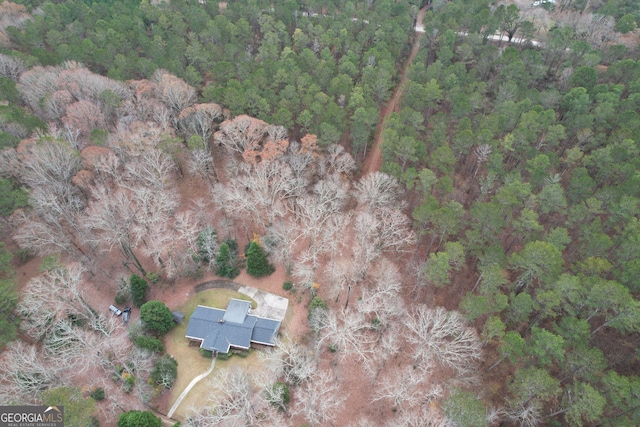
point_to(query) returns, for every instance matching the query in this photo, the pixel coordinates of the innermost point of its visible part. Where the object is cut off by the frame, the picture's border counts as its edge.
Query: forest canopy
(501, 223)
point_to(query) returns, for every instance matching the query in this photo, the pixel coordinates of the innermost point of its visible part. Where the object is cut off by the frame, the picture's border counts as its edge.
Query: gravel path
(373, 161)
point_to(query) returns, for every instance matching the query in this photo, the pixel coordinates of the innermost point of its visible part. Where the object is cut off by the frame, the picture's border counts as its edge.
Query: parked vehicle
(543, 2)
(115, 310)
(125, 314)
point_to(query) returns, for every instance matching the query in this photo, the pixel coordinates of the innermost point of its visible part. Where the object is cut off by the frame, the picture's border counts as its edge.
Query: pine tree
(156, 317)
(138, 289)
(257, 263)
(226, 263)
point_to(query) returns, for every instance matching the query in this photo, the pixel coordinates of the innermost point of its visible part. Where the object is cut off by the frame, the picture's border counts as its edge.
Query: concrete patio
(269, 305)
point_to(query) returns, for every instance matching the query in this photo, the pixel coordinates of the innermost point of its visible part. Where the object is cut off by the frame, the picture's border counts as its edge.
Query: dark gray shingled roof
(237, 311)
(221, 329)
(216, 341)
(265, 331)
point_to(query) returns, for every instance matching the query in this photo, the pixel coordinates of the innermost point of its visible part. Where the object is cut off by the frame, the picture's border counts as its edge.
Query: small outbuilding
(178, 316)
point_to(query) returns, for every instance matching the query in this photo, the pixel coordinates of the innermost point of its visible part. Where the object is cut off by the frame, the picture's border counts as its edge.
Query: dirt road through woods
(373, 161)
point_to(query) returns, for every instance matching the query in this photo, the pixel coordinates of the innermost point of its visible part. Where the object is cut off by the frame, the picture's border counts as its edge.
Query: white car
(115, 310)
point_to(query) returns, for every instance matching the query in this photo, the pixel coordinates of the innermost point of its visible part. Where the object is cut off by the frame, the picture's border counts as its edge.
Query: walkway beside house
(190, 386)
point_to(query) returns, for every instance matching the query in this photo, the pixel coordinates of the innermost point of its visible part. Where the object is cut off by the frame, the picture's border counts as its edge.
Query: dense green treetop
(139, 419)
(156, 317)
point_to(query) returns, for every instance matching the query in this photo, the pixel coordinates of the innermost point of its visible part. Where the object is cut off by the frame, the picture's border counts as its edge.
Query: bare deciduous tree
(338, 161)
(85, 85)
(40, 237)
(83, 116)
(337, 274)
(319, 399)
(173, 246)
(276, 132)
(237, 401)
(9, 164)
(56, 103)
(233, 397)
(48, 168)
(383, 298)
(201, 163)
(378, 190)
(527, 414)
(240, 132)
(25, 373)
(53, 85)
(424, 416)
(315, 212)
(11, 66)
(139, 362)
(152, 169)
(57, 202)
(104, 161)
(162, 116)
(55, 295)
(35, 84)
(400, 389)
(294, 363)
(262, 195)
(201, 120)
(388, 229)
(136, 210)
(348, 333)
(594, 29)
(301, 162)
(136, 139)
(443, 336)
(112, 221)
(388, 346)
(48, 163)
(74, 338)
(173, 91)
(304, 272)
(331, 194)
(333, 239)
(483, 152)
(188, 229)
(280, 241)
(85, 348)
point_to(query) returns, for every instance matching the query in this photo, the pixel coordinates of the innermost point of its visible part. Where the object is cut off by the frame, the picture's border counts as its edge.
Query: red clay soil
(373, 162)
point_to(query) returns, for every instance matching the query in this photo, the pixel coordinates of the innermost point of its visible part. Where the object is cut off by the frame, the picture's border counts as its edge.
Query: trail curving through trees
(373, 161)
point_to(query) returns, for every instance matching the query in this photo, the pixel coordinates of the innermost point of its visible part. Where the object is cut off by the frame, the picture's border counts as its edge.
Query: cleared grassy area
(199, 394)
(190, 362)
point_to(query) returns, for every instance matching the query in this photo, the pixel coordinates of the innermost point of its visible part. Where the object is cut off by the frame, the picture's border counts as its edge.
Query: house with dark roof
(221, 330)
